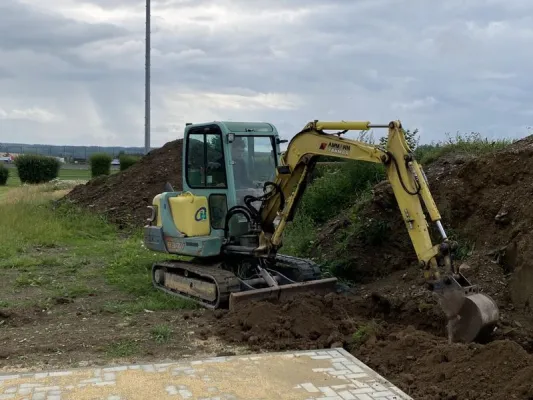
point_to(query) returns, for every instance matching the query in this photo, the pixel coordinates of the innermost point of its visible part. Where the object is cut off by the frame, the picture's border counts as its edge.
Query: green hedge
(127, 160)
(4, 175)
(36, 168)
(100, 164)
(336, 188)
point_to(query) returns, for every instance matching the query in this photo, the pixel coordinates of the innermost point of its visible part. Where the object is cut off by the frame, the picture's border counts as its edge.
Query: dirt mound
(428, 368)
(395, 339)
(309, 321)
(123, 197)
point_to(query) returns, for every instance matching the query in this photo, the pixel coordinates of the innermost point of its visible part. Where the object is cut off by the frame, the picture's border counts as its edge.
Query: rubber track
(308, 270)
(225, 281)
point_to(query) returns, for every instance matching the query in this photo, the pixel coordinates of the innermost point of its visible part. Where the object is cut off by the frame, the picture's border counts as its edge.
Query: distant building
(7, 158)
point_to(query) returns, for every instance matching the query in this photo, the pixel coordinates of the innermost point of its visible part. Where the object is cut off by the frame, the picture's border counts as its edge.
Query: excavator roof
(242, 126)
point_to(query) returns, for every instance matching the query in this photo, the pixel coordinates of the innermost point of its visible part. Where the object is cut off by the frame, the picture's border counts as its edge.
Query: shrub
(127, 161)
(36, 168)
(100, 164)
(411, 138)
(4, 175)
(338, 187)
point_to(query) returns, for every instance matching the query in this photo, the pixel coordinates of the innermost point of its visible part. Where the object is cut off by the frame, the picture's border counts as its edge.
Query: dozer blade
(281, 292)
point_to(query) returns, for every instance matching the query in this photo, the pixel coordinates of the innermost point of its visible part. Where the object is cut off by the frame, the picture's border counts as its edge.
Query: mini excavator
(240, 191)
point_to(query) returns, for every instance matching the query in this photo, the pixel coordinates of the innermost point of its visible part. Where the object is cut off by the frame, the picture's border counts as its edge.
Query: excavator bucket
(471, 315)
(281, 292)
(476, 318)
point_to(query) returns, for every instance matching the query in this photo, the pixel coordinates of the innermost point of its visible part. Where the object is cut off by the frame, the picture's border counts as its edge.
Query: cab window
(205, 159)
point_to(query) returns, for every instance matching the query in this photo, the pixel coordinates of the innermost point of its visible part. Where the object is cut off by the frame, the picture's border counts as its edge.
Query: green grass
(64, 174)
(71, 253)
(161, 333)
(3, 190)
(334, 190)
(471, 144)
(122, 348)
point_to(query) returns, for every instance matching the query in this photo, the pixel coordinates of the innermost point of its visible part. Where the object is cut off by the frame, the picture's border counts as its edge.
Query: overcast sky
(72, 71)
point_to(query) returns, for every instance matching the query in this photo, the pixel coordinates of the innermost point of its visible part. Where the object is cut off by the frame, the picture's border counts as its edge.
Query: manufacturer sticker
(174, 245)
(336, 148)
(201, 214)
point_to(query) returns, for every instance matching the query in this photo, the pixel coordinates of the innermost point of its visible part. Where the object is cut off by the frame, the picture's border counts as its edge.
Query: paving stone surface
(331, 374)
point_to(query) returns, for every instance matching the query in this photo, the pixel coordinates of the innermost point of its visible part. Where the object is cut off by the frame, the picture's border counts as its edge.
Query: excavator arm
(405, 175)
(469, 312)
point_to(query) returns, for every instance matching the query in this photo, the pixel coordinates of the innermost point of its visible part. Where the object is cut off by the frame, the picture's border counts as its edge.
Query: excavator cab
(222, 163)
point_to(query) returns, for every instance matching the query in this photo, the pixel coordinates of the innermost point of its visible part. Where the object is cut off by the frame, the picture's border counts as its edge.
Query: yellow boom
(403, 172)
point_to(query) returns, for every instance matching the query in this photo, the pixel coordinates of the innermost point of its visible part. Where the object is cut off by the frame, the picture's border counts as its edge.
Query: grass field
(33, 235)
(64, 173)
(62, 267)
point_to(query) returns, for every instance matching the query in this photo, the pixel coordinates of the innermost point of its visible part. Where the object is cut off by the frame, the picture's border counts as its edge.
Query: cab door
(205, 171)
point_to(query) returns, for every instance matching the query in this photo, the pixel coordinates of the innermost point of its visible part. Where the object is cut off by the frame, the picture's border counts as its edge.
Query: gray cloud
(23, 27)
(457, 66)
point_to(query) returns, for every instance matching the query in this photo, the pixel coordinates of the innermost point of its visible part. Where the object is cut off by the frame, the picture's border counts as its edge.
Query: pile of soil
(310, 321)
(123, 197)
(392, 339)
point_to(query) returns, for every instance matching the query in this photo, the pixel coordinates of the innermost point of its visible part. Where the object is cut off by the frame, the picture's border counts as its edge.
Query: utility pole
(147, 83)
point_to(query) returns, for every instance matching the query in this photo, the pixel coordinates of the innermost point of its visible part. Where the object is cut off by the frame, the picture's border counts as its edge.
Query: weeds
(364, 333)
(465, 248)
(326, 197)
(161, 333)
(471, 143)
(337, 188)
(122, 348)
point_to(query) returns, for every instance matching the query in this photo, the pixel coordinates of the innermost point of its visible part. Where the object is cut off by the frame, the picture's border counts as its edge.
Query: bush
(35, 168)
(127, 161)
(411, 138)
(100, 164)
(4, 175)
(337, 188)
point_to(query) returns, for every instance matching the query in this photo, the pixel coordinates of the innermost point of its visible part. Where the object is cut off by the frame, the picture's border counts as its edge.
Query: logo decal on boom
(336, 148)
(201, 214)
